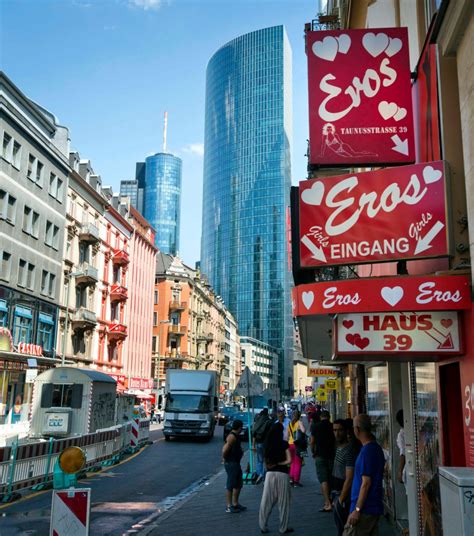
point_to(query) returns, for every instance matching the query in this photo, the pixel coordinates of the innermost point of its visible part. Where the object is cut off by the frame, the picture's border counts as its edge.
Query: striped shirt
(345, 457)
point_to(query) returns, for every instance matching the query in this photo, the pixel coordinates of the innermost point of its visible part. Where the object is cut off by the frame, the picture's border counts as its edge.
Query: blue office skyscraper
(162, 199)
(247, 179)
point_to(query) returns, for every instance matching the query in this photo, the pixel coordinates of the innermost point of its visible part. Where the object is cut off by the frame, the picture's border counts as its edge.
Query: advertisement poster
(360, 108)
(375, 216)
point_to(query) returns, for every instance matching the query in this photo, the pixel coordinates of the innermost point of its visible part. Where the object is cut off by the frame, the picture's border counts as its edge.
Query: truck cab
(191, 404)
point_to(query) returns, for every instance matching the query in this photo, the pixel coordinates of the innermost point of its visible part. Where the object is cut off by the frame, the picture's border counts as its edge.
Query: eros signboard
(360, 108)
(402, 293)
(430, 332)
(375, 216)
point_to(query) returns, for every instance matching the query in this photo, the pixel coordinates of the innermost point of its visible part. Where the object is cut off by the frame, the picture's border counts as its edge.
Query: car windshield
(188, 403)
(229, 410)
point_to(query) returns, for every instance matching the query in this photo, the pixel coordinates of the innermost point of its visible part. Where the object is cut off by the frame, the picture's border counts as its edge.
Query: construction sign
(331, 385)
(70, 512)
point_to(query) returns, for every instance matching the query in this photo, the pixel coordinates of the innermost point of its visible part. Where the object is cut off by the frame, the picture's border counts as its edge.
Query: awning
(139, 394)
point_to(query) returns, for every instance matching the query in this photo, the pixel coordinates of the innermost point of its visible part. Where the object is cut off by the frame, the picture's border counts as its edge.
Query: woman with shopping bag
(296, 441)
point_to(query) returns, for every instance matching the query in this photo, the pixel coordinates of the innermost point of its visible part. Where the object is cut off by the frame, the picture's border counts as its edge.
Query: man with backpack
(259, 432)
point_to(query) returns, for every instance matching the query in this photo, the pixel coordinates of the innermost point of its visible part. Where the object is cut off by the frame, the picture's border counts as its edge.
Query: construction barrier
(26, 465)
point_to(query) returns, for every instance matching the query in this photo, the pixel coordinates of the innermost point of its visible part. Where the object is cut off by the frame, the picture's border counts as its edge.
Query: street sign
(308, 388)
(331, 385)
(434, 332)
(407, 293)
(249, 384)
(70, 512)
(375, 216)
(321, 395)
(315, 370)
(360, 108)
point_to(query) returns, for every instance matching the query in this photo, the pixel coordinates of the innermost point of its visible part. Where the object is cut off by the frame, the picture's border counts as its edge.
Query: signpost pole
(249, 421)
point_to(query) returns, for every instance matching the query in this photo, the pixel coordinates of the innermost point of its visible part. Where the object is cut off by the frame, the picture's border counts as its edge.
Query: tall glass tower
(247, 179)
(162, 199)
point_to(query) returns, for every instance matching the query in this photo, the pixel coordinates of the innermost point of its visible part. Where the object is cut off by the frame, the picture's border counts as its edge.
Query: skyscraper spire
(165, 129)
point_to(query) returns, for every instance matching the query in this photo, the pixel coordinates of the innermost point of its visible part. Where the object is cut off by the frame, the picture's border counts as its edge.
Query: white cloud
(153, 5)
(194, 148)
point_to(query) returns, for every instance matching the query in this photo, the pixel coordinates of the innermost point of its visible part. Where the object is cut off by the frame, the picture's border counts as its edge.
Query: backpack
(261, 428)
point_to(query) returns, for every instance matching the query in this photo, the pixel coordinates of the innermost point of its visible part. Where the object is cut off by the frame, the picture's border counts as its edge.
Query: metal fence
(23, 466)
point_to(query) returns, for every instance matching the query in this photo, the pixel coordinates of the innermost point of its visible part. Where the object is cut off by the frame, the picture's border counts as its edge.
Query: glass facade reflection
(247, 179)
(162, 199)
(130, 189)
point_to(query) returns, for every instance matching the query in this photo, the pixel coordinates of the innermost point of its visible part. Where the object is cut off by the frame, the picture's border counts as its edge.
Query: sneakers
(235, 509)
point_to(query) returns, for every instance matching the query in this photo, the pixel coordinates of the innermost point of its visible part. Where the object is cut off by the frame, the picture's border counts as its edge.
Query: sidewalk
(204, 514)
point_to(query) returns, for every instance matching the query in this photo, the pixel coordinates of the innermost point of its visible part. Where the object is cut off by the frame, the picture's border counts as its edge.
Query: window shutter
(76, 399)
(47, 395)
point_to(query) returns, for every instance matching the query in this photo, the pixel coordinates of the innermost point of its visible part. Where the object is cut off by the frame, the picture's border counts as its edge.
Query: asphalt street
(131, 494)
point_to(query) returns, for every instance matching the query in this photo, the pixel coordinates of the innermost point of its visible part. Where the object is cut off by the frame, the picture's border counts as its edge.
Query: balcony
(88, 232)
(177, 329)
(118, 293)
(117, 330)
(83, 319)
(206, 337)
(177, 306)
(120, 256)
(87, 274)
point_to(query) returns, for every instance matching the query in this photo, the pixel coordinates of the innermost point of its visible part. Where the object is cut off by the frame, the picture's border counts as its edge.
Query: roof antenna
(165, 129)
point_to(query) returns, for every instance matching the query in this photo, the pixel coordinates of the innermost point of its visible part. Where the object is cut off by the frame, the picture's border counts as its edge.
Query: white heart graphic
(401, 113)
(344, 43)
(394, 46)
(431, 175)
(392, 295)
(313, 195)
(308, 299)
(387, 109)
(375, 44)
(326, 49)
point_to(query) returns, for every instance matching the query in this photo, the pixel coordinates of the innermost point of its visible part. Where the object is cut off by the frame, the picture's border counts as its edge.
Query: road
(129, 495)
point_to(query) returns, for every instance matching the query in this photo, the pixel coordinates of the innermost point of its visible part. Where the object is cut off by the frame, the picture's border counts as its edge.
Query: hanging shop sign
(410, 333)
(331, 385)
(360, 109)
(383, 215)
(315, 370)
(31, 349)
(140, 383)
(402, 293)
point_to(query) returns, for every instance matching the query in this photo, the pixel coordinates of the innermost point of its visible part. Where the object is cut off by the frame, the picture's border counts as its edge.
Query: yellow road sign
(321, 395)
(331, 385)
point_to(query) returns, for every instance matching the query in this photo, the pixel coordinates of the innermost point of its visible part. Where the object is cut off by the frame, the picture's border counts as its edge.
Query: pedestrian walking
(231, 455)
(295, 429)
(367, 490)
(260, 429)
(283, 420)
(342, 474)
(277, 483)
(322, 447)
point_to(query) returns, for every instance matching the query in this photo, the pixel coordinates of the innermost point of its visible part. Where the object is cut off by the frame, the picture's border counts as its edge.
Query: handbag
(300, 442)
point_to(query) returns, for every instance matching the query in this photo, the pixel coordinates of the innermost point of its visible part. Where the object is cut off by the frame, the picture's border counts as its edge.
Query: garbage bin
(457, 500)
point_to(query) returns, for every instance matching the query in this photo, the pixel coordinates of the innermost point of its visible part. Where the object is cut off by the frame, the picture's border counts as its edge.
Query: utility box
(457, 500)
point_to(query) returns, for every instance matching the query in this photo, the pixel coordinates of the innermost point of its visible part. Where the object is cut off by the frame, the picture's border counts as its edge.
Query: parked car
(226, 413)
(243, 416)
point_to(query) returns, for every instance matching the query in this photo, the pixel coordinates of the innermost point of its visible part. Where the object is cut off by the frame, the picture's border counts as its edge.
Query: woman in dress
(296, 460)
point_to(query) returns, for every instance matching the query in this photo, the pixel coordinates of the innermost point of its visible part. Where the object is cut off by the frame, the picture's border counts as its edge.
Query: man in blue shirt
(367, 490)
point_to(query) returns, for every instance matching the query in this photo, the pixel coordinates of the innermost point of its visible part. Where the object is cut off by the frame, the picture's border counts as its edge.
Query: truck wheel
(167, 437)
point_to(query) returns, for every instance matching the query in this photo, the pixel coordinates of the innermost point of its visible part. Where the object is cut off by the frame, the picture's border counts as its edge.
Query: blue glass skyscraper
(162, 199)
(247, 179)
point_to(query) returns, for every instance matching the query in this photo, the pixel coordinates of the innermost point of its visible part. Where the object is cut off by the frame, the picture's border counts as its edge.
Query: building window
(44, 282)
(5, 265)
(31, 222)
(30, 173)
(45, 332)
(30, 279)
(16, 154)
(153, 344)
(55, 237)
(3, 314)
(39, 174)
(62, 396)
(56, 187)
(52, 285)
(156, 298)
(114, 312)
(7, 146)
(48, 235)
(83, 252)
(22, 273)
(22, 325)
(78, 343)
(155, 319)
(7, 207)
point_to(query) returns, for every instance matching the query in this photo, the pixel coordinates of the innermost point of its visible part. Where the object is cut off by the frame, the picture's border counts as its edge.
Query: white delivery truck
(191, 403)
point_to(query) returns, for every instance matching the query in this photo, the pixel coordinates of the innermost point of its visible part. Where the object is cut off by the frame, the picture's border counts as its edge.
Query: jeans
(260, 464)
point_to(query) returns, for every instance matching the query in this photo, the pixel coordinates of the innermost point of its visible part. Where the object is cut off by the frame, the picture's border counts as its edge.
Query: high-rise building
(247, 179)
(162, 199)
(130, 189)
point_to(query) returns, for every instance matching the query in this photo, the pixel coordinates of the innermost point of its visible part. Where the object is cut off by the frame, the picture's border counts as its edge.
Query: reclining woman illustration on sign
(332, 142)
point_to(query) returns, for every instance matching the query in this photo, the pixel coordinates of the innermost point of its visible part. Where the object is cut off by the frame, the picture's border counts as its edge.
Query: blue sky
(108, 69)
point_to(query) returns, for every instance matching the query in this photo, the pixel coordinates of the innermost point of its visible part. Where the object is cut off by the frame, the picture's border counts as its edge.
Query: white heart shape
(326, 49)
(375, 44)
(313, 195)
(431, 175)
(387, 109)
(401, 113)
(344, 43)
(308, 299)
(392, 295)
(395, 45)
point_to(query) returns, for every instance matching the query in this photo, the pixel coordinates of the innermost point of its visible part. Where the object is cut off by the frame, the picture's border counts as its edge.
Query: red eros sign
(360, 109)
(383, 215)
(375, 294)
